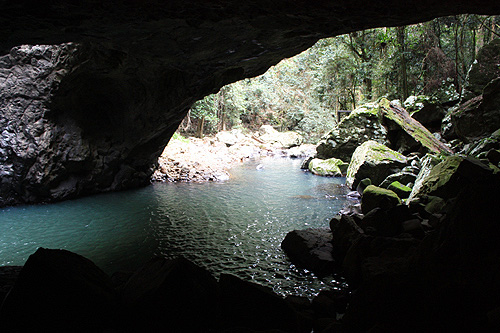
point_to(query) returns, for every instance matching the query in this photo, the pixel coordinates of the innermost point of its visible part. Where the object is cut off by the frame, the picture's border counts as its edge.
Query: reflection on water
(234, 227)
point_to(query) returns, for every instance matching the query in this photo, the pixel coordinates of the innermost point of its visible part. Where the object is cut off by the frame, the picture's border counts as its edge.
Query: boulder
(476, 148)
(375, 161)
(377, 197)
(401, 190)
(401, 177)
(399, 116)
(330, 167)
(304, 150)
(427, 110)
(478, 117)
(483, 70)
(446, 178)
(311, 249)
(229, 138)
(171, 294)
(437, 181)
(249, 306)
(426, 165)
(345, 230)
(59, 291)
(363, 183)
(279, 139)
(360, 126)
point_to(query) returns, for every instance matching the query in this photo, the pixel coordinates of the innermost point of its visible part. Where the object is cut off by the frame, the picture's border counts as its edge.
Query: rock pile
(421, 249)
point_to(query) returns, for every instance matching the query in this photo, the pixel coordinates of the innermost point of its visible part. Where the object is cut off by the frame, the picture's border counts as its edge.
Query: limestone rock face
(93, 109)
(360, 126)
(375, 161)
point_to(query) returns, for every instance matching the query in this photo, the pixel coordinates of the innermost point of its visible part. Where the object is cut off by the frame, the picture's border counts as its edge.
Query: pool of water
(227, 227)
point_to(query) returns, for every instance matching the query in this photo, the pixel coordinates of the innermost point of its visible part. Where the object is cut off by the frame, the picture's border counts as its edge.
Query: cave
(91, 92)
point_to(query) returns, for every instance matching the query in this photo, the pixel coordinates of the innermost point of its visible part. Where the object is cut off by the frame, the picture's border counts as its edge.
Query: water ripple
(232, 227)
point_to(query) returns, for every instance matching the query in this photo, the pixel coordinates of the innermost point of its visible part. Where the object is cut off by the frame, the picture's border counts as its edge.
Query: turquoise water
(232, 227)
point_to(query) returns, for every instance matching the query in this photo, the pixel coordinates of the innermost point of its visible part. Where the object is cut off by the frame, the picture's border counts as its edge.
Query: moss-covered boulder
(375, 161)
(435, 182)
(401, 190)
(360, 126)
(332, 167)
(402, 177)
(446, 179)
(377, 197)
(412, 127)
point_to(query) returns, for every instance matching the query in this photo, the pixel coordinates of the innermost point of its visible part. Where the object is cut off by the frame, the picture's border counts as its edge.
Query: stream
(232, 227)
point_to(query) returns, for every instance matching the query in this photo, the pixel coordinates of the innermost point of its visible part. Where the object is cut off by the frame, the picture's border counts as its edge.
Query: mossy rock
(375, 161)
(401, 190)
(363, 184)
(377, 197)
(361, 125)
(412, 127)
(332, 167)
(436, 182)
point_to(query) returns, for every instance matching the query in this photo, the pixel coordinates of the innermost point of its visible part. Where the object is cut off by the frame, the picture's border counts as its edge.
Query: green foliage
(304, 92)
(179, 137)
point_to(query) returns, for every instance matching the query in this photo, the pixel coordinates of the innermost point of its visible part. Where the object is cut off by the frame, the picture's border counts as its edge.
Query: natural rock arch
(92, 110)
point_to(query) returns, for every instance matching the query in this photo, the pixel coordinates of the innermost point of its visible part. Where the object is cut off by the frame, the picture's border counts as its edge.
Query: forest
(304, 93)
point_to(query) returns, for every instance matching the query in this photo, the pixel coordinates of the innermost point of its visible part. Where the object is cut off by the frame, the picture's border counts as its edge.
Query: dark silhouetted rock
(483, 70)
(249, 305)
(345, 230)
(59, 291)
(174, 295)
(8, 277)
(311, 249)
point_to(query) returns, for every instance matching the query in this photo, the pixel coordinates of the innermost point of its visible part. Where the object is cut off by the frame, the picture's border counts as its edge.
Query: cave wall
(89, 108)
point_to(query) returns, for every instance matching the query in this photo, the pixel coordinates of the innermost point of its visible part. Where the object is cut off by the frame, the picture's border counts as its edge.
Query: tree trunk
(403, 76)
(199, 128)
